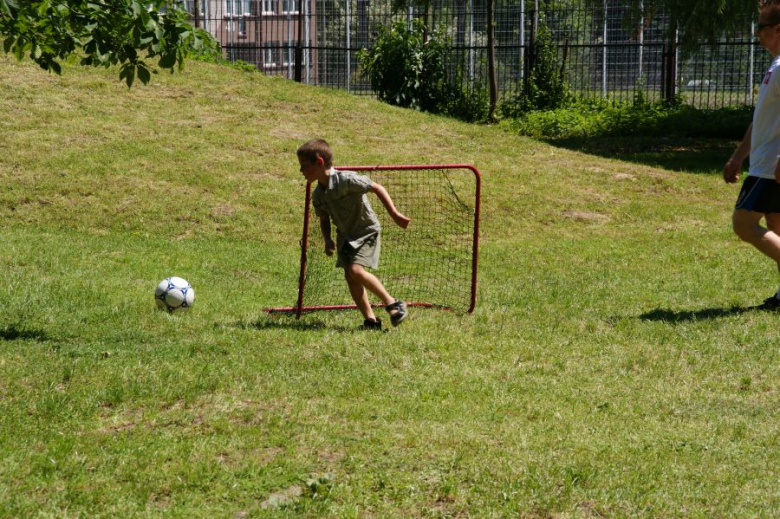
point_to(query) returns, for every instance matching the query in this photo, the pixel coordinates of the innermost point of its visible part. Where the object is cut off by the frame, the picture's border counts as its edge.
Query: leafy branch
(124, 33)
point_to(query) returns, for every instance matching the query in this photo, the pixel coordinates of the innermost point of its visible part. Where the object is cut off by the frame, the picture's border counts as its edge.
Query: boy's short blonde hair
(316, 148)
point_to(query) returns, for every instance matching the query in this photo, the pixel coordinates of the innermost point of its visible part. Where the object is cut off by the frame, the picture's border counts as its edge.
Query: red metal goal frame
(299, 308)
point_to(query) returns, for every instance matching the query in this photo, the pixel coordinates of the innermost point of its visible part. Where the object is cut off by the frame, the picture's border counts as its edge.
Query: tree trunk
(362, 21)
(492, 76)
(670, 68)
(460, 30)
(530, 49)
(425, 21)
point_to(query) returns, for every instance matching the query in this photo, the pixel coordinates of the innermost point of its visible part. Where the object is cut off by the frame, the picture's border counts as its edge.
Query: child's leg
(367, 280)
(359, 295)
(357, 275)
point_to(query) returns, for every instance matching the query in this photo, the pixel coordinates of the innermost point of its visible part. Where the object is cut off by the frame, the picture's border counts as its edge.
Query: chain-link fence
(601, 53)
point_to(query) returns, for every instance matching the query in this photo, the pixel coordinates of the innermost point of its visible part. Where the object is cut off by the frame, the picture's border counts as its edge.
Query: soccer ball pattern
(174, 294)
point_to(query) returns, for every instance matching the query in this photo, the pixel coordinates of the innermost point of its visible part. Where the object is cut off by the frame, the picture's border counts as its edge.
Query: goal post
(432, 263)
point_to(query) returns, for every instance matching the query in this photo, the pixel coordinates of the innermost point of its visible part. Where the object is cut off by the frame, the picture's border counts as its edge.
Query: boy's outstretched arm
(325, 228)
(384, 197)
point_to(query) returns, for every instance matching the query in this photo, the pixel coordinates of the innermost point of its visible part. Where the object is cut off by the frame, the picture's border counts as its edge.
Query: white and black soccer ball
(174, 294)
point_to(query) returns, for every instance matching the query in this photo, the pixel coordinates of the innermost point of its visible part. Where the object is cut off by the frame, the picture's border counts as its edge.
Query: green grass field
(612, 367)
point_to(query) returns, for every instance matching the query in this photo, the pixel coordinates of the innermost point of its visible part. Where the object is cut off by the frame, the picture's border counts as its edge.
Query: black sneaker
(770, 303)
(399, 314)
(368, 324)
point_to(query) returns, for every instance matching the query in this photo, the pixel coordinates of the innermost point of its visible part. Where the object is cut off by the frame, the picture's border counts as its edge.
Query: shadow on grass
(14, 333)
(291, 323)
(701, 156)
(670, 316)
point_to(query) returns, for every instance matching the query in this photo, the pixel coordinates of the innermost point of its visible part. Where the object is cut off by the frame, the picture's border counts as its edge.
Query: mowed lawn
(612, 368)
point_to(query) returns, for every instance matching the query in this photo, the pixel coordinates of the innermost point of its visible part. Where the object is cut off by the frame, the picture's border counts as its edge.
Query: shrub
(213, 54)
(407, 71)
(546, 88)
(600, 118)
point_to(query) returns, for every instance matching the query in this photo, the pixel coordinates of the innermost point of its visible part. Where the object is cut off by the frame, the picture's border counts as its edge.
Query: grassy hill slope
(612, 367)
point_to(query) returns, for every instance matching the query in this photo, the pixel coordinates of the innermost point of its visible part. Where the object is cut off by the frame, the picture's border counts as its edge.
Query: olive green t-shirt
(344, 200)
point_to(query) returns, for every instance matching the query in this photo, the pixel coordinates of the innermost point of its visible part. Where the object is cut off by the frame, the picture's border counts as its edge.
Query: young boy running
(340, 196)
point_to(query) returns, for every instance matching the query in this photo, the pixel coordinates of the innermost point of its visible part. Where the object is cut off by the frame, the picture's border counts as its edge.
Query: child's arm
(384, 197)
(325, 228)
(734, 164)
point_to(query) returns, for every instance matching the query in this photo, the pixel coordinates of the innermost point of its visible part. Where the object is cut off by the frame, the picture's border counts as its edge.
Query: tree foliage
(546, 88)
(409, 71)
(131, 34)
(695, 21)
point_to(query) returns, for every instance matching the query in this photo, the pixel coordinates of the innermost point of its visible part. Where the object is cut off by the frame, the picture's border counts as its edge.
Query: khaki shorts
(366, 253)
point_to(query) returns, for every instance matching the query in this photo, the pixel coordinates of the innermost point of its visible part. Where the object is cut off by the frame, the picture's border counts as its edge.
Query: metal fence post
(299, 45)
(471, 43)
(751, 62)
(664, 54)
(349, 44)
(522, 38)
(641, 38)
(287, 60)
(604, 54)
(530, 52)
(670, 69)
(676, 63)
(306, 39)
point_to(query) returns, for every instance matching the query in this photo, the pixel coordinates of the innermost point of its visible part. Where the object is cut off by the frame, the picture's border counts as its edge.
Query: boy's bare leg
(747, 226)
(369, 281)
(359, 295)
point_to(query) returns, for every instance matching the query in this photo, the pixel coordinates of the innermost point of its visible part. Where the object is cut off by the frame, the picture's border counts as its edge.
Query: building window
(241, 10)
(270, 53)
(291, 6)
(236, 8)
(190, 6)
(269, 6)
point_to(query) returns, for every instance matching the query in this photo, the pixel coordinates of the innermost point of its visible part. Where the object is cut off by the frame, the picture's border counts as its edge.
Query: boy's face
(312, 170)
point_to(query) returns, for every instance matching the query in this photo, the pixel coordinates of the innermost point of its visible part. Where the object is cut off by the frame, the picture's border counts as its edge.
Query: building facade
(264, 33)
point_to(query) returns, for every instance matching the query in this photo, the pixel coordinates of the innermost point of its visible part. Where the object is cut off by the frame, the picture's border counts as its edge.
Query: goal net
(431, 263)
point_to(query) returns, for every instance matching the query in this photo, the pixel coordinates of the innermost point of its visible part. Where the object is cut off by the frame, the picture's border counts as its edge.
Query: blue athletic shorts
(761, 195)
